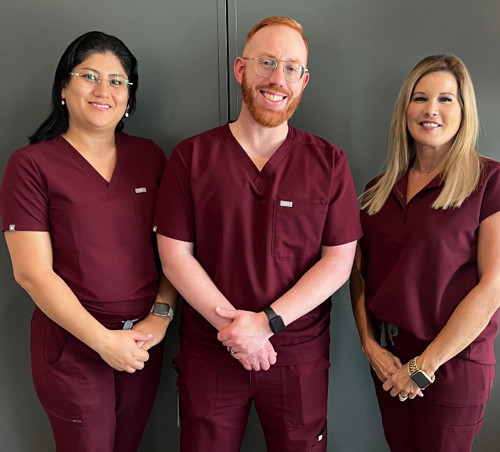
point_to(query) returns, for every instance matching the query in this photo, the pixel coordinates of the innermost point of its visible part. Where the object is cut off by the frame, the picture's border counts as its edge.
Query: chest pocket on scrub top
(144, 198)
(297, 227)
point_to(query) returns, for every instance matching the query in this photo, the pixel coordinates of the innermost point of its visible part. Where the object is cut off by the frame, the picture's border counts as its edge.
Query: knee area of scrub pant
(292, 406)
(214, 402)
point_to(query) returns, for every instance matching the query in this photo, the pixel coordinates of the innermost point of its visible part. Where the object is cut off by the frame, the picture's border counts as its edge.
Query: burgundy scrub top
(101, 232)
(421, 262)
(257, 232)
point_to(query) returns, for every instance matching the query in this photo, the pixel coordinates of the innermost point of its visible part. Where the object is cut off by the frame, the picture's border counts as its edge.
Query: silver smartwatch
(162, 310)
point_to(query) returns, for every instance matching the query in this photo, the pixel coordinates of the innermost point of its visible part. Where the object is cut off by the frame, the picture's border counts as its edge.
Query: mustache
(275, 88)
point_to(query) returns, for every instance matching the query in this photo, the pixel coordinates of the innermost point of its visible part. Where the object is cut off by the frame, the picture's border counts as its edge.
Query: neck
(255, 138)
(97, 144)
(428, 161)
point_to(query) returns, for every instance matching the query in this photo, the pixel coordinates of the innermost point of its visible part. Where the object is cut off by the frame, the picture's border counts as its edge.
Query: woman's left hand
(400, 383)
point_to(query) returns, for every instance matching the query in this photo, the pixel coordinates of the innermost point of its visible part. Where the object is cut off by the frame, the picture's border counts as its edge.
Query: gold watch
(419, 377)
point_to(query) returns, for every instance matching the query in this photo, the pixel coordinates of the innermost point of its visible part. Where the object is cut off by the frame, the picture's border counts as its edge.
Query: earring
(63, 102)
(126, 114)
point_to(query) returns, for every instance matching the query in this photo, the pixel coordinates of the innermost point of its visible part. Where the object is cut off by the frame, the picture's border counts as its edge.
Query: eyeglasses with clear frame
(114, 81)
(266, 66)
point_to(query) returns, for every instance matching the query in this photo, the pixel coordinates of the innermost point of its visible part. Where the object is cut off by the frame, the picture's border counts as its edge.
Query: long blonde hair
(461, 166)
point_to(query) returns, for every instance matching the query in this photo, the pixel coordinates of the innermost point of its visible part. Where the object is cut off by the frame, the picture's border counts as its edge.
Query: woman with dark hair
(425, 286)
(77, 206)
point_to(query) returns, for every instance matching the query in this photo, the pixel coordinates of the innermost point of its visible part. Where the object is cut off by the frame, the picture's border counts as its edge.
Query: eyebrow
(440, 94)
(296, 61)
(95, 70)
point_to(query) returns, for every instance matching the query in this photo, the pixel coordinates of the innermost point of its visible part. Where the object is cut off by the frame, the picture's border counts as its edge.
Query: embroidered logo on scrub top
(12, 227)
(140, 190)
(286, 203)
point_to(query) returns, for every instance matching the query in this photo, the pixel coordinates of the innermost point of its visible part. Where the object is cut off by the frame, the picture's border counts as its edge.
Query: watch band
(275, 321)
(162, 310)
(412, 366)
(419, 377)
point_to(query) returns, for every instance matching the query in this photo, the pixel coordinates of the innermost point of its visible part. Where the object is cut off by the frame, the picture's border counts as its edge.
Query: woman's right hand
(383, 362)
(120, 350)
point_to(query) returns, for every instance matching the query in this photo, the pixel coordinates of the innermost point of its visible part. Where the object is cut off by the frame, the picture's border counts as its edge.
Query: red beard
(267, 116)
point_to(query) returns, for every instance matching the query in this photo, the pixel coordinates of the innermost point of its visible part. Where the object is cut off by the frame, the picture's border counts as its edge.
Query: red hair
(277, 20)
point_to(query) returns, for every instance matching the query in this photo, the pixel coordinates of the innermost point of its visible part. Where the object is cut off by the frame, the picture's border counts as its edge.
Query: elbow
(168, 267)
(23, 278)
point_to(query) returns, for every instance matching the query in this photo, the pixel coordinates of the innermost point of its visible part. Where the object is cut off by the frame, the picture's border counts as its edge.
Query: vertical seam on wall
(223, 57)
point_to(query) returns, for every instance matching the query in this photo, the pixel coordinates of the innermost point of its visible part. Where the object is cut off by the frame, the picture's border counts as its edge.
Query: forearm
(166, 293)
(317, 284)
(196, 287)
(468, 320)
(53, 296)
(364, 324)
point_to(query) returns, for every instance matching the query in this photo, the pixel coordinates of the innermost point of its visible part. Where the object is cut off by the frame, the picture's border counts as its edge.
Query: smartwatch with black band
(275, 321)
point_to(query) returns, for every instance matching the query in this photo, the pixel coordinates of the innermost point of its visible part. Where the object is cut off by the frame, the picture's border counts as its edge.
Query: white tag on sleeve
(140, 190)
(286, 203)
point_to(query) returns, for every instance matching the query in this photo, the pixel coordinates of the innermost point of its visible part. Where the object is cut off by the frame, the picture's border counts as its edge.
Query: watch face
(161, 309)
(421, 379)
(277, 324)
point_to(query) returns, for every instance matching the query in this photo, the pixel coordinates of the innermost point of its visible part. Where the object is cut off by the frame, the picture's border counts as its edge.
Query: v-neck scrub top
(257, 232)
(101, 232)
(421, 262)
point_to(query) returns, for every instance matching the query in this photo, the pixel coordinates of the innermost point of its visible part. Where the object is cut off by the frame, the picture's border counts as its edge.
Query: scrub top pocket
(297, 227)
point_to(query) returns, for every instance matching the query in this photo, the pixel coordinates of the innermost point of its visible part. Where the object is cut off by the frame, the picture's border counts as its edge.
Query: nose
(278, 76)
(432, 107)
(101, 89)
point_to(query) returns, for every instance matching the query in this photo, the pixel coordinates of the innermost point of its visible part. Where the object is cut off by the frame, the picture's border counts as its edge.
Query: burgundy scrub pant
(91, 407)
(450, 414)
(216, 395)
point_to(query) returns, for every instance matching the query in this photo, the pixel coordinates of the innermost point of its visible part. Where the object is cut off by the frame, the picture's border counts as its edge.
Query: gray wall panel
(177, 45)
(360, 53)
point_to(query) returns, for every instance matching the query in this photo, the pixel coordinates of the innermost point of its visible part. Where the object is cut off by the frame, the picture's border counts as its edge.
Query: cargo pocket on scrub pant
(305, 392)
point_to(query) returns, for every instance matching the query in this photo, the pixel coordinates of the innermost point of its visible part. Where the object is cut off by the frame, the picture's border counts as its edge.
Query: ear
(239, 68)
(305, 81)
(63, 91)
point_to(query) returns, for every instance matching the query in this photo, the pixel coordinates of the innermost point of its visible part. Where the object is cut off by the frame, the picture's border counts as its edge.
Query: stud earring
(63, 102)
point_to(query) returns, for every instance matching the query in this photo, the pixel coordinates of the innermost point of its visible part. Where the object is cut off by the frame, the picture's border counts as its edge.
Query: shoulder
(214, 135)
(489, 165)
(125, 140)
(490, 172)
(371, 183)
(131, 144)
(313, 142)
(38, 152)
(202, 146)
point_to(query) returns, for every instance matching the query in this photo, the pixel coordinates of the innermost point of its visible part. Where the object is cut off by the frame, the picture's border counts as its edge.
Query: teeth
(100, 105)
(430, 124)
(273, 97)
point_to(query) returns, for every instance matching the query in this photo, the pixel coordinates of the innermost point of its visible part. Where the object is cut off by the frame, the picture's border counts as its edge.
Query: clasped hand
(121, 350)
(247, 336)
(389, 370)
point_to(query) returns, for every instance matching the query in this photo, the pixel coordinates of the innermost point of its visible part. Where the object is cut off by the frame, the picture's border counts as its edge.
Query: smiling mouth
(430, 124)
(95, 104)
(273, 97)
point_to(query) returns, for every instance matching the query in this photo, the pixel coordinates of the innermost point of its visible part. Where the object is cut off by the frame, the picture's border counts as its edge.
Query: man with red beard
(257, 225)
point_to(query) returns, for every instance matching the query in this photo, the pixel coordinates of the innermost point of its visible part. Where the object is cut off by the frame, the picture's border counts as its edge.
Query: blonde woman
(425, 285)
